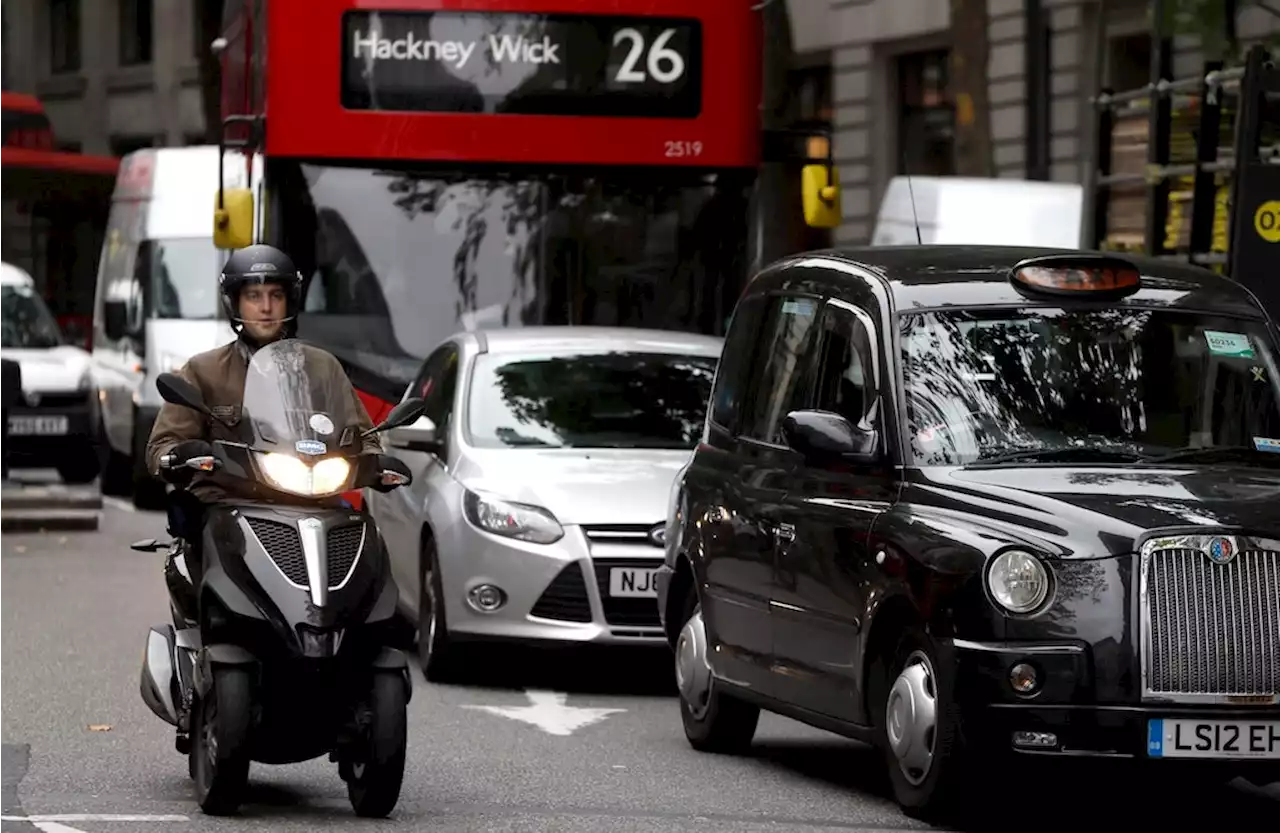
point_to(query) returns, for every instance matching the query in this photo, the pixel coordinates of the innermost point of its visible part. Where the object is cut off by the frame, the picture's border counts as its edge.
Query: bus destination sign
(533, 64)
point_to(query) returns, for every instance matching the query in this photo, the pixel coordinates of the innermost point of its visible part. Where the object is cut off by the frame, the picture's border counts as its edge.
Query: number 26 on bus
(666, 66)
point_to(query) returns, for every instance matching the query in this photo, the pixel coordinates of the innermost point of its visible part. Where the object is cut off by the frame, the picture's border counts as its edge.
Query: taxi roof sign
(1083, 275)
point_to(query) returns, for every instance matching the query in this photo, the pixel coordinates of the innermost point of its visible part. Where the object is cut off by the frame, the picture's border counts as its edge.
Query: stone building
(888, 65)
(113, 75)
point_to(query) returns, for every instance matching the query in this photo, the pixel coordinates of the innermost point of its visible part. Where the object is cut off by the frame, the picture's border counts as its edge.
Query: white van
(157, 297)
(52, 424)
(962, 210)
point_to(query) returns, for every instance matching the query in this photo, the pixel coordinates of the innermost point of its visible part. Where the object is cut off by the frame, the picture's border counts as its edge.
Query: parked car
(541, 474)
(51, 423)
(982, 506)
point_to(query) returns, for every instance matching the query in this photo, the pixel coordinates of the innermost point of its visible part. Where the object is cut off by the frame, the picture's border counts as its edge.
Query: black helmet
(260, 264)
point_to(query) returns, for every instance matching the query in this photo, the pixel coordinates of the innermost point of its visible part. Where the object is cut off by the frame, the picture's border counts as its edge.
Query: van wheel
(713, 720)
(117, 469)
(917, 728)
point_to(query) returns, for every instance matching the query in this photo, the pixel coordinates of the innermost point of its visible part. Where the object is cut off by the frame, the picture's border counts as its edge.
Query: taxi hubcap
(693, 673)
(911, 718)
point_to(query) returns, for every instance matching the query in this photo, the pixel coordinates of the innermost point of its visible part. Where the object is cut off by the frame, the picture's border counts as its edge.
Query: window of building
(135, 32)
(926, 115)
(1128, 62)
(64, 35)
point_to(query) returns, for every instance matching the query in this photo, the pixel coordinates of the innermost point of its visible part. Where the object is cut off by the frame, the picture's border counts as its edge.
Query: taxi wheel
(713, 720)
(916, 726)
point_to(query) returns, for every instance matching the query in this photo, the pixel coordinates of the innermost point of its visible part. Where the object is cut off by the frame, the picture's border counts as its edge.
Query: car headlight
(290, 474)
(512, 520)
(86, 380)
(1018, 581)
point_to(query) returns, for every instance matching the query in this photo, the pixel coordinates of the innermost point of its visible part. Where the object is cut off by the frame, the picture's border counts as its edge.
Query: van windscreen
(184, 277)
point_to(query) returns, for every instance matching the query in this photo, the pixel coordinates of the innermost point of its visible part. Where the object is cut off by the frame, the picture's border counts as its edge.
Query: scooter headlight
(290, 474)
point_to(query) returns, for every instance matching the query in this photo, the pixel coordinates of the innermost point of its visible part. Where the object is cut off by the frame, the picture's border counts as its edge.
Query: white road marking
(119, 503)
(55, 818)
(54, 827)
(548, 711)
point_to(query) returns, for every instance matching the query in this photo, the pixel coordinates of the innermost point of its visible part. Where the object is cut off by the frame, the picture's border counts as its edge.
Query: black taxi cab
(970, 503)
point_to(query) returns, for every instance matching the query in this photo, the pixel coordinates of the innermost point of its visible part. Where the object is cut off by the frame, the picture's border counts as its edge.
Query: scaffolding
(1189, 169)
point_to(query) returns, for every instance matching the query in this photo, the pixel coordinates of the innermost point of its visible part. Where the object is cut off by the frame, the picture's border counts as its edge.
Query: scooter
(284, 649)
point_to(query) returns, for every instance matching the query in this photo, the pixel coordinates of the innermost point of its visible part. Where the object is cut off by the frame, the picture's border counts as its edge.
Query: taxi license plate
(20, 426)
(1258, 739)
(633, 582)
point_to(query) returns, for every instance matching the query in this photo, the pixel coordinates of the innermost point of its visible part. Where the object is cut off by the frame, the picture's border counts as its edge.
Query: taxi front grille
(1210, 629)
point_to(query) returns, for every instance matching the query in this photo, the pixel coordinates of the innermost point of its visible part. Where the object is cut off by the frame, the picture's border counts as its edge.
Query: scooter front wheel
(377, 766)
(220, 742)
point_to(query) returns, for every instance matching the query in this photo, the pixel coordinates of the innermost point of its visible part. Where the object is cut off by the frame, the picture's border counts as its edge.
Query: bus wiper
(1222, 452)
(1067, 454)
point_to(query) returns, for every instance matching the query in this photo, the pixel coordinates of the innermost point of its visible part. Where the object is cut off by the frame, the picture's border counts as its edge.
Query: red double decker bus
(433, 165)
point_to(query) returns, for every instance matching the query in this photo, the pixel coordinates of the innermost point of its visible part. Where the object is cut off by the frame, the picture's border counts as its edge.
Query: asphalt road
(79, 746)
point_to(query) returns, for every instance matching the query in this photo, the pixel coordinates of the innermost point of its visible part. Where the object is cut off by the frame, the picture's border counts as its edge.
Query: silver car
(541, 473)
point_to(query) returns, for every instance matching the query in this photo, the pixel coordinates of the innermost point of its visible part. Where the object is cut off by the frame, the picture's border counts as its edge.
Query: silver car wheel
(693, 671)
(911, 718)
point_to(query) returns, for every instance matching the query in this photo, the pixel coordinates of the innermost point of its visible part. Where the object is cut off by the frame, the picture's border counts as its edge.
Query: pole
(1037, 42)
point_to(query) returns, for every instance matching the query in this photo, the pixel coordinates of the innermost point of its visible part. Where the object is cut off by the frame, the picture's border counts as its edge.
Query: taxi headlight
(292, 475)
(1018, 581)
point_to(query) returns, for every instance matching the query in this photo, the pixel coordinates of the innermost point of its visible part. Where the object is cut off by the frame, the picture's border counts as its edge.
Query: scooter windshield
(298, 401)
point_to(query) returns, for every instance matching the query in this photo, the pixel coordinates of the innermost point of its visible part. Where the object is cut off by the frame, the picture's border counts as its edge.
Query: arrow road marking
(549, 712)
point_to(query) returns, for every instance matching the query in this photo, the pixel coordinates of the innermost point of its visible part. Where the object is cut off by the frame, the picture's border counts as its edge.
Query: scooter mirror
(178, 391)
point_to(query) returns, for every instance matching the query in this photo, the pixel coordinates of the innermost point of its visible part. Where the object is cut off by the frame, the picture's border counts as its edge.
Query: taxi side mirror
(824, 437)
(233, 219)
(820, 187)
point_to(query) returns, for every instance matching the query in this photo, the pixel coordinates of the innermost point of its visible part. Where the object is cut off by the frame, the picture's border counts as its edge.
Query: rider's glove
(388, 463)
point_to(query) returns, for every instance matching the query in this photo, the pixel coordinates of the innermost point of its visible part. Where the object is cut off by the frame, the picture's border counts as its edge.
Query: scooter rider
(261, 293)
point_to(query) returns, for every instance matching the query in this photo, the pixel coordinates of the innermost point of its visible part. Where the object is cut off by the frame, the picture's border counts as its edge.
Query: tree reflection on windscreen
(606, 400)
(981, 383)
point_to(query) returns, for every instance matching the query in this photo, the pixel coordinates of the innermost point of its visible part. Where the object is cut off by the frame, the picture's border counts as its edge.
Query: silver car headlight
(512, 520)
(1018, 581)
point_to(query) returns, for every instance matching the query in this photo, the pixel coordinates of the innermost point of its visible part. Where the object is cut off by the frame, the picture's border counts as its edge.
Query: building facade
(113, 75)
(892, 112)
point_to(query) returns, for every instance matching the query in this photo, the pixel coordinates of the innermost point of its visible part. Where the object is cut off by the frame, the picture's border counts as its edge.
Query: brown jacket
(219, 375)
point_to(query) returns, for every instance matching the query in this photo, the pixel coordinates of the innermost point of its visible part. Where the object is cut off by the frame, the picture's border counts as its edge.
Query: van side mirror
(820, 188)
(824, 437)
(115, 319)
(233, 221)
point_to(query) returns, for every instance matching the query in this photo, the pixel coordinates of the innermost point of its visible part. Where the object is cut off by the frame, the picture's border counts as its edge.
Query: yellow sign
(1266, 221)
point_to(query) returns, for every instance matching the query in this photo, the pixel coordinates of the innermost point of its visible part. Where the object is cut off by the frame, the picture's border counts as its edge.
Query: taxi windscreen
(1111, 384)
